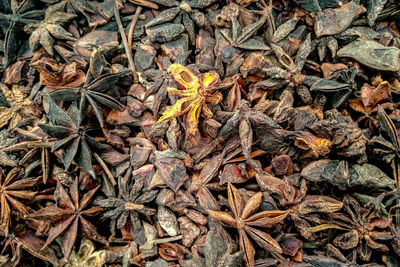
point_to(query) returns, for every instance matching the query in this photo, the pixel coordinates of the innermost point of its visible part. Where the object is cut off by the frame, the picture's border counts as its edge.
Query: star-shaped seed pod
(94, 90)
(367, 105)
(71, 136)
(12, 15)
(44, 32)
(240, 37)
(195, 96)
(14, 106)
(364, 230)
(388, 148)
(125, 208)
(245, 220)
(68, 215)
(11, 189)
(185, 11)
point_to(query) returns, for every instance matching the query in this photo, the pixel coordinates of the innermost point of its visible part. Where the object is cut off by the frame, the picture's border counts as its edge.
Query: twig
(125, 42)
(130, 36)
(106, 169)
(133, 24)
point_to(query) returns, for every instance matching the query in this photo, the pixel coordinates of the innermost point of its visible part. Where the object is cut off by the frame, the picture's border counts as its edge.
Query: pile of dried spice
(197, 133)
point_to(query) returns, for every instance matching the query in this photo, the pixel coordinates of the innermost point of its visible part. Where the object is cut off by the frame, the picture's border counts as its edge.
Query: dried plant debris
(199, 133)
(44, 32)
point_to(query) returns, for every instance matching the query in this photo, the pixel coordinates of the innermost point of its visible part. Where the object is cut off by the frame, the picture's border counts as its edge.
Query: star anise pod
(265, 10)
(240, 37)
(93, 90)
(187, 12)
(161, 83)
(363, 229)
(11, 189)
(96, 13)
(290, 72)
(195, 96)
(202, 184)
(348, 140)
(34, 141)
(219, 249)
(387, 144)
(242, 121)
(56, 74)
(44, 32)
(68, 214)
(88, 256)
(21, 238)
(367, 105)
(14, 106)
(71, 136)
(303, 208)
(125, 208)
(245, 220)
(339, 88)
(12, 15)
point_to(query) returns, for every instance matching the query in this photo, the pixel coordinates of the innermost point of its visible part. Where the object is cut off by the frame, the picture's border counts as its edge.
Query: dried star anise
(88, 256)
(363, 229)
(240, 37)
(35, 141)
(186, 12)
(289, 74)
(195, 96)
(12, 188)
(347, 138)
(368, 103)
(15, 107)
(162, 81)
(387, 144)
(245, 220)
(44, 32)
(12, 15)
(219, 250)
(56, 74)
(201, 184)
(340, 87)
(69, 215)
(25, 239)
(303, 207)
(125, 208)
(93, 90)
(71, 136)
(242, 121)
(96, 13)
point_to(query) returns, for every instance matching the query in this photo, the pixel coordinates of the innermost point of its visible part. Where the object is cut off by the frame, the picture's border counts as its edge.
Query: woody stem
(125, 42)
